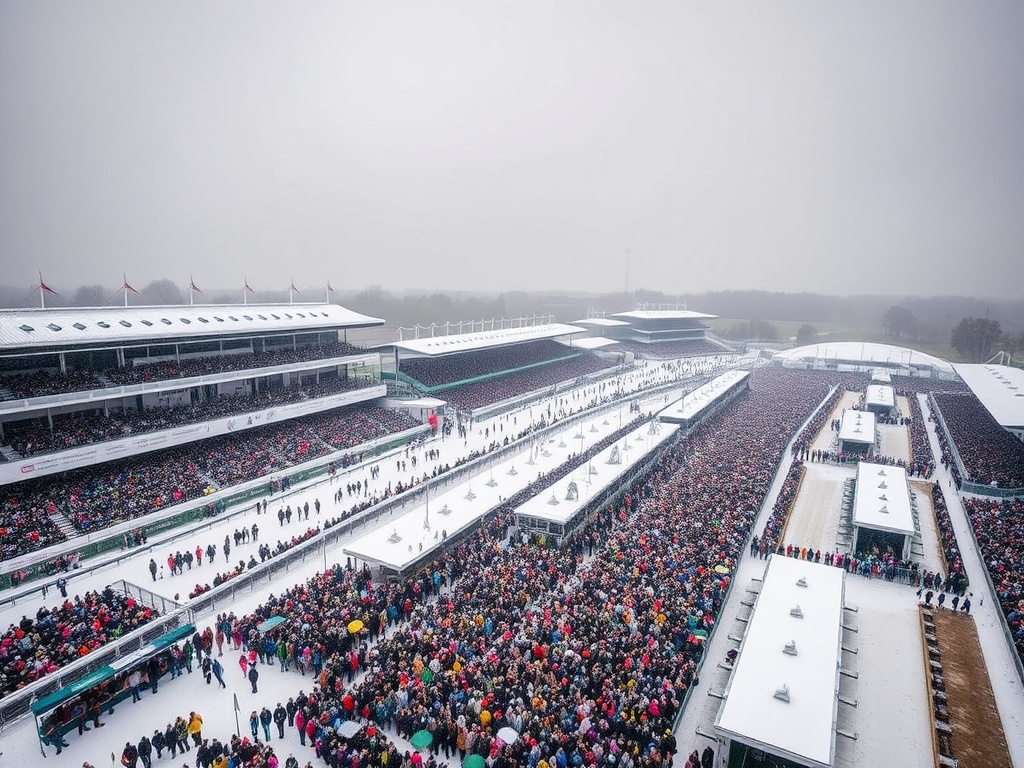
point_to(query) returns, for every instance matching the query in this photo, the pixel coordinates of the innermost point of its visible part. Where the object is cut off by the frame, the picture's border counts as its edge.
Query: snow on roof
(600, 322)
(690, 404)
(867, 353)
(594, 477)
(1000, 389)
(68, 326)
(882, 501)
(880, 394)
(593, 343)
(857, 427)
(882, 376)
(663, 314)
(802, 728)
(471, 342)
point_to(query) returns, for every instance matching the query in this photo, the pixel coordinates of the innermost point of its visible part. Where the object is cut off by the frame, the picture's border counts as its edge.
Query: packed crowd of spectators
(586, 651)
(478, 394)
(32, 437)
(999, 528)
(666, 350)
(921, 458)
(990, 454)
(50, 382)
(448, 369)
(57, 636)
(100, 496)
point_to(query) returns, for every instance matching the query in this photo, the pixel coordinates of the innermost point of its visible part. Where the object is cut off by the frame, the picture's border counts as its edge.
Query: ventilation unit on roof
(782, 694)
(795, 612)
(883, 485)
(801, 582)
(884, 509)
(553, 501)
(789, 648)
(882, 497)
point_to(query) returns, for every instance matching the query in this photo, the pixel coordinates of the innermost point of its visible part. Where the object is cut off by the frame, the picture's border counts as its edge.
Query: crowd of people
(32, 437)
(447, 369)
(586, 651)
(39, 645)
(100, 496)
(665, 350)
(43, 382)
(999, 528)
(480, 393)
(990, 454)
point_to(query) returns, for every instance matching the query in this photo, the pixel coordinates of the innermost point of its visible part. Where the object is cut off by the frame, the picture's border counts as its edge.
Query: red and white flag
(128, 287)
(192, 285)
(45, 288)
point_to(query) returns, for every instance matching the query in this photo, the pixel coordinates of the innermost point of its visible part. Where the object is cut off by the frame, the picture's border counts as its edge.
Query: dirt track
(978, 739)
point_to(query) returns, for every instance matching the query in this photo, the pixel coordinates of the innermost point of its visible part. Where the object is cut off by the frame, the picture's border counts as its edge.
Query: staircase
(10, 454)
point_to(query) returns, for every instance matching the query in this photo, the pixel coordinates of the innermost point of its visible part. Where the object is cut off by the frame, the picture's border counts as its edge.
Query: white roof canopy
(866, 353)
(801, 729)
(595, 342)
(471, 342)
(692, 403)
(880, 395)
(857, 427)
(663, 314)
(600, 322)
(882, 501)
(70, 326)
(1000, 389)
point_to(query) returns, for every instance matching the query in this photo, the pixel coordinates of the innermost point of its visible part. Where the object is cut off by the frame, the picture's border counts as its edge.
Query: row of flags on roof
(127, 288)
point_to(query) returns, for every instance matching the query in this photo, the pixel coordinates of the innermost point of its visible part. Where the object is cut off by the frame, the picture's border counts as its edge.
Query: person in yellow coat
(195, 728)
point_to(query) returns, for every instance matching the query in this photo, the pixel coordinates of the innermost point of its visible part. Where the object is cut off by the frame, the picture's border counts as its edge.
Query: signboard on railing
(86, 455)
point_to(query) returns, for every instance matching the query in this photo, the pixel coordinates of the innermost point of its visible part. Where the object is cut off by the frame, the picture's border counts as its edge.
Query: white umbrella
(508, 735)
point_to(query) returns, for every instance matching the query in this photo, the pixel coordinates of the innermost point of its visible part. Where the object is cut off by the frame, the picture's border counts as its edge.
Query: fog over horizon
(489, 147)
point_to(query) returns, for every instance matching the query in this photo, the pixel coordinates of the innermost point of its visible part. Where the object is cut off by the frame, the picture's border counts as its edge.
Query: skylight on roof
(146, 322)
(54, 327)
(79, 326)
(218, 319)
(103, 324)
(125, 323)
(165, 321)
(185, 320)
(26, 328)
(203, 320)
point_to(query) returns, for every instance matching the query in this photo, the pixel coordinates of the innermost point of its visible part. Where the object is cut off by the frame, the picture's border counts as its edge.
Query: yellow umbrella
(354, 626)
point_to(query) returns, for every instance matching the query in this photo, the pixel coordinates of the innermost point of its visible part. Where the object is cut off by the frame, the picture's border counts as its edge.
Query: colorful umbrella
(721, 569)
(508, 735)
(473, 761)
(354, 626)
(422, 739)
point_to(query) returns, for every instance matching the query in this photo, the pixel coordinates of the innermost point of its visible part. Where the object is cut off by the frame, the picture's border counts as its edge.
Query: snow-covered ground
(891, 720)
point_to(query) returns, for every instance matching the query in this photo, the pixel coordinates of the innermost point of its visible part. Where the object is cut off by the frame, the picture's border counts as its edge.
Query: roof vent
(882, 497)
(884, 508)
(801, 582)
(883, 485)
(790, 648)
(881, 472)
(553, 501)
(796, 612)
(782, 694)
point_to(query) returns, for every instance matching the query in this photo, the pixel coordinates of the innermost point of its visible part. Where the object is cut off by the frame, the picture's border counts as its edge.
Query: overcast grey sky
(843, 148)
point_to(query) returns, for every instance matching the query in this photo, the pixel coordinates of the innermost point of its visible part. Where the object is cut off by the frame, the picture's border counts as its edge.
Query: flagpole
(42, 298)
(124, 287)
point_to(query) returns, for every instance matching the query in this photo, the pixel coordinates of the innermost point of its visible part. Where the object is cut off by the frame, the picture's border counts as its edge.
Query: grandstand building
(656, 333)
(213, 398)
(1000, 388)
(487, 370)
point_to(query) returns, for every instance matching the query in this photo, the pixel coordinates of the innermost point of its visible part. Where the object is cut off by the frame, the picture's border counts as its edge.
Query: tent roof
(880, 394)
(78, 326)
(1000, 389)
(472, 342)
(882, 501)
(802, 729)
(594, 343)
(857, 427)
(693, 402)
(600, 322)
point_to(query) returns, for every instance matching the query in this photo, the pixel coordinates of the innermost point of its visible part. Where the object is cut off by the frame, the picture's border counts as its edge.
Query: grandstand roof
(435, 346)
(78, 326)
(663, 314)
(600, 322)
(1000, 389)
(801, 729)
(867, 353)
(883, 499)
